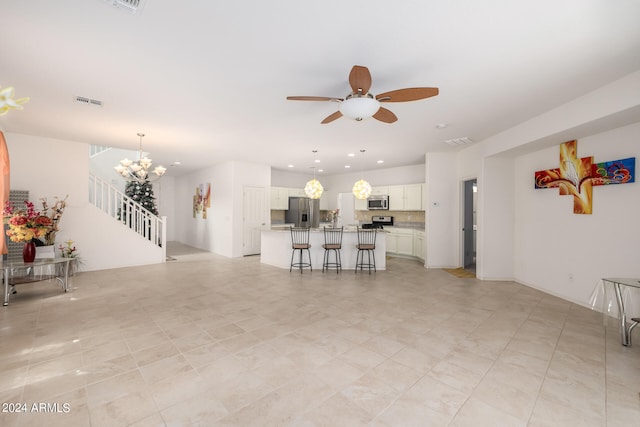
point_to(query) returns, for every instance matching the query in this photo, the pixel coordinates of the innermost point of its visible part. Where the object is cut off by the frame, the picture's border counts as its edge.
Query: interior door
(469, 229)
(254, 219)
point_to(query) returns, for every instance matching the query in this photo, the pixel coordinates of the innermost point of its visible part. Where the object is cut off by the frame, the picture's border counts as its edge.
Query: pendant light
(362, 189)
(313, 189)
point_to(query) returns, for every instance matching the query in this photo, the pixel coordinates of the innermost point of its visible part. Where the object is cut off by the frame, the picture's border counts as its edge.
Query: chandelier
(313, 189)
(361, 189)
(139, 171)
(8, 103)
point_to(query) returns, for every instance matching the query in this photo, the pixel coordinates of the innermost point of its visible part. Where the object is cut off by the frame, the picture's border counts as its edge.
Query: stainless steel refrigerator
(303, 212)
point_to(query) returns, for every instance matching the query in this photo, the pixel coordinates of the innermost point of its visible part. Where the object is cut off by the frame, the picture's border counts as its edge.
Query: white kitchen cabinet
(413, 197)
(405, 242)
(359, 205)
(396, 197)
(391, 242)
(418, 244)
(279, 198)
(405, 197)
(399, 241)
(297, 192)
(324, 202)
(380, 191)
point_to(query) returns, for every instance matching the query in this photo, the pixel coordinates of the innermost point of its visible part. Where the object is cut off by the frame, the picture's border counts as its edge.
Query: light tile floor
(210, 341)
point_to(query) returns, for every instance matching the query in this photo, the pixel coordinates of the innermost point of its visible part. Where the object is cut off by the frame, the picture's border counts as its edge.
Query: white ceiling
(207, 80)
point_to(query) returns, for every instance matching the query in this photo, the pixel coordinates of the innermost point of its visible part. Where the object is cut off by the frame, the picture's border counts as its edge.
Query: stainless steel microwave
(378, 203)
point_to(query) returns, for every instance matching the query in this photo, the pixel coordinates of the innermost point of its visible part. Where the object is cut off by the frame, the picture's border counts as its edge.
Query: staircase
(123, 209)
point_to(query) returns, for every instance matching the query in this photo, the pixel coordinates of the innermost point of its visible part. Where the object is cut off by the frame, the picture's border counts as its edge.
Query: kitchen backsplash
(408, 219)
(277, 217)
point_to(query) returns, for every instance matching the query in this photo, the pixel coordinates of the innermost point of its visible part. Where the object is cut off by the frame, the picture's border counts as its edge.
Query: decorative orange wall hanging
(577, 176)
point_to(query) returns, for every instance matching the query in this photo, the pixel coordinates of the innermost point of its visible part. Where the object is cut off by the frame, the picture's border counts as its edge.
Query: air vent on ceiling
(133, 6)
(458, 141)
(88, 101)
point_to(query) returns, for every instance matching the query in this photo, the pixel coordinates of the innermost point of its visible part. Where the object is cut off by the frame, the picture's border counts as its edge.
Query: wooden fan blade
(313, 98)
(409, 94)
(385, 115)
(332, 117)
(360, 79)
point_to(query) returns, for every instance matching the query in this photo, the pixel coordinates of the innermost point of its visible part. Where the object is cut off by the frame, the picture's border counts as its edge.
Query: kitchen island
(275, 248)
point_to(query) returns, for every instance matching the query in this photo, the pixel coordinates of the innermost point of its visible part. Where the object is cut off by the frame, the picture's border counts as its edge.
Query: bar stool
(332, 243)
(300, 242)
(366, 243)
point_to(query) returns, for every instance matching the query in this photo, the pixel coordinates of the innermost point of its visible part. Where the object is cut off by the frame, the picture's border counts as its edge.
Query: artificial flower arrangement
(25, 224)
(28, 224)
(334, 215)
(68, 250)
(55, 213)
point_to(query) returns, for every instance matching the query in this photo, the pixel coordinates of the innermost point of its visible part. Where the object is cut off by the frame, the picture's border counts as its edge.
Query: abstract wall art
(202, 200)
(577, 176)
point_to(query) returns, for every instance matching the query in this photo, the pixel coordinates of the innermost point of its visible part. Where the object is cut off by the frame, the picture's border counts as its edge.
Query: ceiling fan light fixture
(359, 107)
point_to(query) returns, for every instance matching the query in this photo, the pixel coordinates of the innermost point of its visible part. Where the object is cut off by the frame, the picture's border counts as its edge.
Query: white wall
(48, 168)
(496, 216)
(442, 222)
(564, 253)
(221, 231)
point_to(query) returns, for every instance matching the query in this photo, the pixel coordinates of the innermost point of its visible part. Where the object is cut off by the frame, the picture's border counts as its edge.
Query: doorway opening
(470, 224)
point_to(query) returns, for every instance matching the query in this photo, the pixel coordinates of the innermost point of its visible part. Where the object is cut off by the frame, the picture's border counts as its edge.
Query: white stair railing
(124, 209)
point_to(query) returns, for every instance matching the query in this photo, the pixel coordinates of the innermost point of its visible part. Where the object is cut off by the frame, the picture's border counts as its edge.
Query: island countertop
(275, 248)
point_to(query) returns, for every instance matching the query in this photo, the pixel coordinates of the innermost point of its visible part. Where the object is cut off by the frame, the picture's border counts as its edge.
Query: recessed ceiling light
(316, 161)
(290, 166)
(351, 155)
(176, 163)
(347, 166)
(320, 170)
(380, 161)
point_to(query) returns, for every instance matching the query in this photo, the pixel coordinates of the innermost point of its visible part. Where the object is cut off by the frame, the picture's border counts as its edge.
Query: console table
(625, 330)
(11, 269)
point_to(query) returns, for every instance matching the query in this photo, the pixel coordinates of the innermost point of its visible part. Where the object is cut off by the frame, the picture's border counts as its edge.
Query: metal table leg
(5, 280)
(624, 332)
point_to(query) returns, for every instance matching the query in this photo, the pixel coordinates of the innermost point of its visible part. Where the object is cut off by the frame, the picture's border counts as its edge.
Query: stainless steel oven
(378, 203)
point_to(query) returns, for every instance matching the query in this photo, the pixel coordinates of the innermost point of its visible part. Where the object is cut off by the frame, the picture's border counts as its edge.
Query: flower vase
(29, 252)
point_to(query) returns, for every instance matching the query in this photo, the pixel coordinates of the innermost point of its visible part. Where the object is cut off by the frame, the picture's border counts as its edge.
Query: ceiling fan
(360, 104)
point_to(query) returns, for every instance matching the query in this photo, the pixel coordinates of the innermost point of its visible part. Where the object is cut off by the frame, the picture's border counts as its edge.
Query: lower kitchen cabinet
(418, 244)
(403, 242)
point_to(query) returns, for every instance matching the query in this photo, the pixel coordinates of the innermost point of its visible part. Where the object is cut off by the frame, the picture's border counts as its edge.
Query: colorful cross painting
(577, 176)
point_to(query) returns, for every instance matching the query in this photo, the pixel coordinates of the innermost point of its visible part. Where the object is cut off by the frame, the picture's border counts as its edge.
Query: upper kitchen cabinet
(405, 197)
(279, 198)
(297, 192)
(380, 191)
(360, 204)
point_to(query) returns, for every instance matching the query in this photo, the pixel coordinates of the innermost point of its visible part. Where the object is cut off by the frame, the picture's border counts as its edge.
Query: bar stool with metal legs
(332, 244)
(366, 243)
(300, 242)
